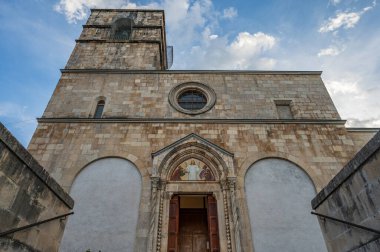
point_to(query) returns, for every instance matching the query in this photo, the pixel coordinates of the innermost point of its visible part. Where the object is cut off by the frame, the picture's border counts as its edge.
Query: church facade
(186, 160)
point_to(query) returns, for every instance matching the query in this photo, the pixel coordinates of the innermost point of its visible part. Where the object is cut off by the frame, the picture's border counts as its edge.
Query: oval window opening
(192, 100)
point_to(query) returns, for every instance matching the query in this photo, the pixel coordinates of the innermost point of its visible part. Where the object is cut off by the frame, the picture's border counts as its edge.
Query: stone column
(224, 185)
(231, 181)
(154, 208)
(160, 205)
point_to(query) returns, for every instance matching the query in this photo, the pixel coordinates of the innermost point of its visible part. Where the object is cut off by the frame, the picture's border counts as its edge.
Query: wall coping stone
(128, 10)
(363, 129)
(186, 120)
(230, 72)
(349, 169)
(11, 142)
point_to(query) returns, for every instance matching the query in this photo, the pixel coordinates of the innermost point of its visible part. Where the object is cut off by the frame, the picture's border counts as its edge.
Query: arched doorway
(278, 195)
(189, 171)
(193, 223)
(107, 198)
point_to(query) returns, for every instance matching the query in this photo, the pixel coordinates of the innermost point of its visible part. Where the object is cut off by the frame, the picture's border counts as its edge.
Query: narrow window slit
(99, 109)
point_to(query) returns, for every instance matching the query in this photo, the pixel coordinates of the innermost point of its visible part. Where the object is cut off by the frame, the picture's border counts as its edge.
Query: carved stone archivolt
(193, 165)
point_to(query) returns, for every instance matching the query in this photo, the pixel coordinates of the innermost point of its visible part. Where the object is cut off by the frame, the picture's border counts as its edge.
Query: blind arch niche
(107, 198)
(278, 197)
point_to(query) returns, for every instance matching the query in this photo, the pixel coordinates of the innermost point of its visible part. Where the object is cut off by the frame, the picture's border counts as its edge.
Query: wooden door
(212, 215)
(173, 224)
(193, 231)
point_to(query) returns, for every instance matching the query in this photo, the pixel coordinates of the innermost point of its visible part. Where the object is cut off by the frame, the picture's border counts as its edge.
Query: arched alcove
(107, 198)
(278, 195)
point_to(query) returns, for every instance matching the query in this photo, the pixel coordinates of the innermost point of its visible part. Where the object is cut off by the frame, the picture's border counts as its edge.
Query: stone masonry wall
(140, 17)
(65, 148)
(145, 95)
(354, 196)
(361, 136)
(104, 33)
(97, 49)
(111, 55)
(28, 195)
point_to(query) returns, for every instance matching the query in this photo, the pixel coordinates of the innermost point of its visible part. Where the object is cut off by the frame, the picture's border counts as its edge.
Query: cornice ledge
(187, 120)
(252, 72)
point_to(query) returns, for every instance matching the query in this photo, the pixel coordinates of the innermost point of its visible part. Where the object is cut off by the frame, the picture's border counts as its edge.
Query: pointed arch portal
(193, 198)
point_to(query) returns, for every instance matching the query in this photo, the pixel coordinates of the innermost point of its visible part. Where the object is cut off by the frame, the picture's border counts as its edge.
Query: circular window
(192, 98)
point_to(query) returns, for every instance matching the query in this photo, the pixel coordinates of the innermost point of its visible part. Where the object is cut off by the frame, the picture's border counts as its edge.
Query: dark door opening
(193, 224)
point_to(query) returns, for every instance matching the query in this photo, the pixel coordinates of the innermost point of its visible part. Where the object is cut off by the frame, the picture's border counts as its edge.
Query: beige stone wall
(361, 137)
(28, 195)
(104, 33)
(97, 49)
(145, 95)
(65, 148)
(141, 17)
(114, 55)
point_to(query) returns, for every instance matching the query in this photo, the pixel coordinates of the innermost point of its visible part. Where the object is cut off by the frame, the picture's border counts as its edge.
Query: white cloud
(335, 2)
(372, 122)
(354, 102)
(246, 51)
(330, 51)
(344, 20)
(76, 10)
(230, 13)
(345, 87)
(247, 44)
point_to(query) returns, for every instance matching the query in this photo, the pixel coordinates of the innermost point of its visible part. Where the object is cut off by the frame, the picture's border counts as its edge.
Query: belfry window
(99, 109)
(122, 29)
(192, 100)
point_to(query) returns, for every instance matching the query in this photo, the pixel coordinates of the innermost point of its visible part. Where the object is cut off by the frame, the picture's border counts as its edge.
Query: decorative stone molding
(222, 164)
(179, 89)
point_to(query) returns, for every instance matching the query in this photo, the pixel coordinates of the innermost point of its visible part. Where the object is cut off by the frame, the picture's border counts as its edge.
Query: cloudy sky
(339, 37)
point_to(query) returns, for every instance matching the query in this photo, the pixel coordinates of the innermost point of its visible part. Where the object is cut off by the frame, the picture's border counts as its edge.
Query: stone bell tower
(121, 40)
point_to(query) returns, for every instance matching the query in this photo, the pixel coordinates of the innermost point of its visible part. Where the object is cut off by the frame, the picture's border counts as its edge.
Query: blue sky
(339, 37)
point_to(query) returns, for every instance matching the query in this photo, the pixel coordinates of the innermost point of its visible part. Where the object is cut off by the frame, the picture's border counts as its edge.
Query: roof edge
(65, 70)
(124, 10)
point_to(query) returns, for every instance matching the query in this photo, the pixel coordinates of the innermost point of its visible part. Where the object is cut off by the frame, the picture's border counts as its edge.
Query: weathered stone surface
(10, 245)
(353, 195)
(145, 95)
(97, 48)
(28, 195)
